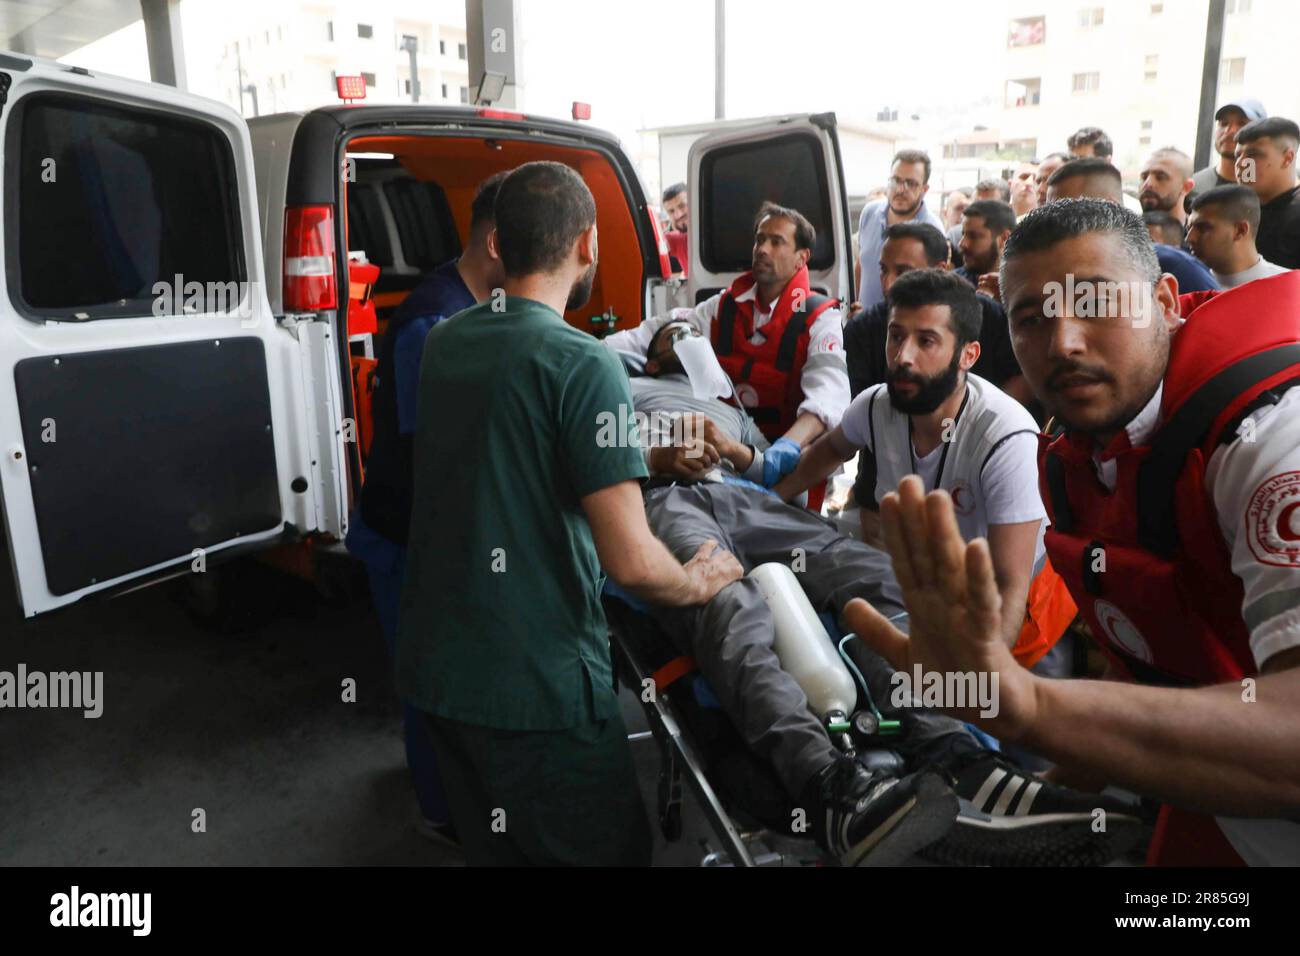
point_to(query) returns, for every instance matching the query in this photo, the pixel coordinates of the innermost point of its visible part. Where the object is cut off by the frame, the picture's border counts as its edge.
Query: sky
(643, 64)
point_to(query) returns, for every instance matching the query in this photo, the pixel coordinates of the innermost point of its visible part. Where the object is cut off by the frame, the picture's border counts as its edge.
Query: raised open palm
(952, 601)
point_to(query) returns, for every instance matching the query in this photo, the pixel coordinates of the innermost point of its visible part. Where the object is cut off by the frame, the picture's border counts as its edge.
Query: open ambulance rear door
(152, 412)
(793, 161)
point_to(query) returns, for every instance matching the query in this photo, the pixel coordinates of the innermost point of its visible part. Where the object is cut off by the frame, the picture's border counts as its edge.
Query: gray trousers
(731, 637)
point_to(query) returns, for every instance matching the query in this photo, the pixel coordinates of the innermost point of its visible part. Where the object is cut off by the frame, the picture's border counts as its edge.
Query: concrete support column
(162, 34)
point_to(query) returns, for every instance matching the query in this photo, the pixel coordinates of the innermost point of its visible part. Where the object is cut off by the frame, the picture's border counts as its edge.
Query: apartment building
(287, 56)
(1133, 68)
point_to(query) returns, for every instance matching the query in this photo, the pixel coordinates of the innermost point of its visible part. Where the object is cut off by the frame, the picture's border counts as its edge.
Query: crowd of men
(1074, 421)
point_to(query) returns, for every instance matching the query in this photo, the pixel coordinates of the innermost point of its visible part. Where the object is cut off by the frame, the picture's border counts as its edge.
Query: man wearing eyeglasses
(909, 181)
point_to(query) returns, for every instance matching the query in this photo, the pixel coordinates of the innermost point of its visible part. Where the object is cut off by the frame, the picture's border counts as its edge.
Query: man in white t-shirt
(1221, 233)
(932, 418)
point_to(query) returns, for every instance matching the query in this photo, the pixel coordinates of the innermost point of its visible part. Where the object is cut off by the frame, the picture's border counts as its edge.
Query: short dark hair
(1056, 155)
(1169, 227)
(1001, 185)
(922, 287)
(1090, 167)
(1092, 136)
(1274, 127)
(1064, 219)
(913, 156)
(482, 211)
(541, 210)
(659, 333)
(1237, 202)
(997, 215)
(1185, 165)
(805, 236)
(933, 242)
(673, 190)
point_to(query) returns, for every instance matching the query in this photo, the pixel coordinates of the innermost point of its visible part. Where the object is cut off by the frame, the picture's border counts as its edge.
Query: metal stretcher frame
(676, 752)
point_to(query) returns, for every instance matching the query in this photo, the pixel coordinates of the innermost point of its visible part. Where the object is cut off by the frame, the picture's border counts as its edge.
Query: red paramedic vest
(1147, 564)
(767, 376)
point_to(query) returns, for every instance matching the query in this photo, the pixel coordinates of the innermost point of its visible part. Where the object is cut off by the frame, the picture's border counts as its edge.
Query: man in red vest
(781, 343)
(1174, 495)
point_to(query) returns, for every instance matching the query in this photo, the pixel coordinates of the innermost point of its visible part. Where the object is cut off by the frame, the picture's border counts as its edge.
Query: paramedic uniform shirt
(1247, 481)
(824, 381)
(501, 622)
(991, 466)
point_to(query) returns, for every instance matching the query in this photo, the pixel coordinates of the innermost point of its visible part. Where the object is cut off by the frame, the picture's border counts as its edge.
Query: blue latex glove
(729, 480)
(779, 460)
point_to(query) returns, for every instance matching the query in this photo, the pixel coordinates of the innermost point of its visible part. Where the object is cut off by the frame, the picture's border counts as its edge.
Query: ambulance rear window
(736, 180)
(111, 201)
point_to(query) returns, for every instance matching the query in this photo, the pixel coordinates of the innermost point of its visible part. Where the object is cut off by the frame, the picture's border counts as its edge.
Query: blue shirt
(1191, 273)
(871, 239)
(441, 295)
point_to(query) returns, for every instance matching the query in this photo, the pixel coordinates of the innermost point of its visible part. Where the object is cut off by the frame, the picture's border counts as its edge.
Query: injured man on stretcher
(956, 799)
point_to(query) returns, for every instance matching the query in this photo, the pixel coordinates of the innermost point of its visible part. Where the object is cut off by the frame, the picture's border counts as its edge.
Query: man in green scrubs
(520, 500)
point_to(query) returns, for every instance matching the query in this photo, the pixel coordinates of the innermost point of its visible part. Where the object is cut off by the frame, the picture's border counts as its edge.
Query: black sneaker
(866, 819)
(1010, 817)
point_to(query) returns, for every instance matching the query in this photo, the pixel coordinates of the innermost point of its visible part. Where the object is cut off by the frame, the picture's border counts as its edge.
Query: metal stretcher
(680, 702)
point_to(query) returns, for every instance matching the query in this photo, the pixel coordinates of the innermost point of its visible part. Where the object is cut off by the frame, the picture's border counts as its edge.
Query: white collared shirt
(825, 377)
(1252, 482)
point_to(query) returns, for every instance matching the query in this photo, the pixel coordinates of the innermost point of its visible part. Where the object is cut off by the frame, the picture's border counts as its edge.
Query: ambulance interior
(427, 186)
(408, 212)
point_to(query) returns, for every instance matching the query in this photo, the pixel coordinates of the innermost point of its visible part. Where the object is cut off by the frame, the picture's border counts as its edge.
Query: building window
(334, 80)
(1023, 92)
(444, 91)
(442, 47)
(1234, 70)
(268, 37)
(365, 31)
(1146, 124)
(1144, 140)
(1238, 6)
(370, 80)
(1090, 17)
(1157, 9)
(1152, 65)
(1027, 31)
(464, 94)
(284, 82)
(461, 52)
(329, 30)
(1087, 82)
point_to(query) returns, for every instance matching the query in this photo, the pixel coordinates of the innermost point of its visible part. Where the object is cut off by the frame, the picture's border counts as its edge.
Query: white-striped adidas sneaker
(1010, 817)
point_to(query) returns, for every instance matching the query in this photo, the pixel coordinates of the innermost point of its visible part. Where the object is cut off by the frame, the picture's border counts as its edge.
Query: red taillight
(661, 244)
(351, 87)
(490, 113)
(581, 111)
(309, 267)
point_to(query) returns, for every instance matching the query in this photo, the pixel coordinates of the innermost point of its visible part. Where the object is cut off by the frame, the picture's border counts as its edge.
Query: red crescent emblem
(1270, 521)
(1284, 524)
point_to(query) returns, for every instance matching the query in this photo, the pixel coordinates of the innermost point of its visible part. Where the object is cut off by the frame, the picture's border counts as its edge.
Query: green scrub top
(519, 416)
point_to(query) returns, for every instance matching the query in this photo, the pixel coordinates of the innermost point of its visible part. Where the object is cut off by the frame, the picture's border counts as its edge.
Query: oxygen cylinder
(805, 650)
